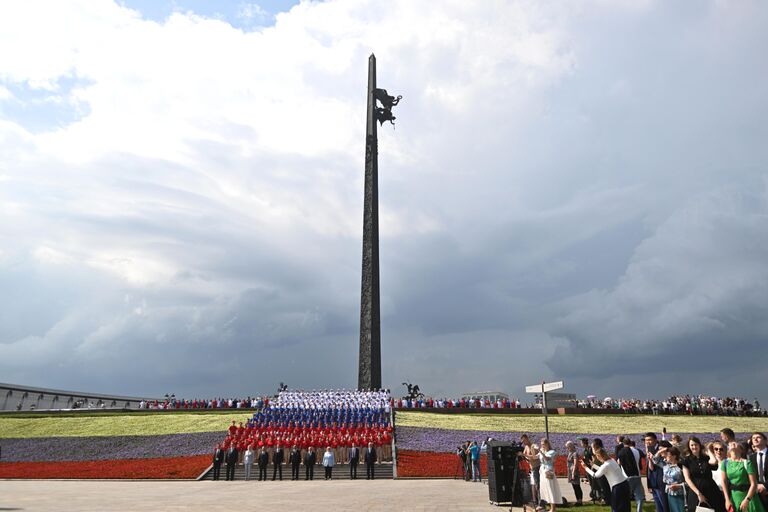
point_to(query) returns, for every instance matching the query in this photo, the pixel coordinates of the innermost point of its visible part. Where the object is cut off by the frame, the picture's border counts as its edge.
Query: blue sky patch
(41, 110)
(238, 13)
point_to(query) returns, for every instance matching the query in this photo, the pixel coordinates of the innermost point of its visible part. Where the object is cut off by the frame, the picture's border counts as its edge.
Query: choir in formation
(343, 425)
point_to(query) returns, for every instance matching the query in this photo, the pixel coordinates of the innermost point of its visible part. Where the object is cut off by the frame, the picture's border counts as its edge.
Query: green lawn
(597, 424)
(107, 424)
(83, 424)
(647, 507)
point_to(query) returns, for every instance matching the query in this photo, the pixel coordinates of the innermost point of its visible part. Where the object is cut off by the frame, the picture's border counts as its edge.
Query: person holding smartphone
(610, 469)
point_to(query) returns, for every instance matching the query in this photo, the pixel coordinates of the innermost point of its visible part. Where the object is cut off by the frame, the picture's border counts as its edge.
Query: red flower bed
(170, 467)
(426, 464)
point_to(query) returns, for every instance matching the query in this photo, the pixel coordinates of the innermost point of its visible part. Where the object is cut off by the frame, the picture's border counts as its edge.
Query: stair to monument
(340, 472)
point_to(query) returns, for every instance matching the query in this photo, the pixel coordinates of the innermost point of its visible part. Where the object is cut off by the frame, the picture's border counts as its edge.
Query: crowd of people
(679, 404)
(350, 425)
(682, 404)
(462, 403)
(723, 474)
(172, 403)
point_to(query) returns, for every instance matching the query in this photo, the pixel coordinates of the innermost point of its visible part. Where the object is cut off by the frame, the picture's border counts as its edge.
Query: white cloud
(252, 13)
(537, 170)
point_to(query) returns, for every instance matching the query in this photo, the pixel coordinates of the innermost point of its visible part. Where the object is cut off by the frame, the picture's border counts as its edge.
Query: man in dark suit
(370, 460)
(309, 464)
(218, 458)
(629, 459)
(263, 463)
(277, 462)
(231, 460)
(655, 474)
(294, 459)
(619, 445)
(354, 459)
(759, 459)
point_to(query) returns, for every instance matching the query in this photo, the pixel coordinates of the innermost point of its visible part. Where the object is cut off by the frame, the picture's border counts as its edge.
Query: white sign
(548, 386)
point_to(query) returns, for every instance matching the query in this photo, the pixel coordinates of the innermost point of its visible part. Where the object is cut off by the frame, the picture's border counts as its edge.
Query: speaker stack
(503, 473)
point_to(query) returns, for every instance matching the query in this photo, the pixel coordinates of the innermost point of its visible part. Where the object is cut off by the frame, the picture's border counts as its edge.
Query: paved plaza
(337, 495)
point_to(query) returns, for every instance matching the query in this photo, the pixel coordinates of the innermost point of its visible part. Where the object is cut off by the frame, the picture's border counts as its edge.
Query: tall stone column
(369, 370)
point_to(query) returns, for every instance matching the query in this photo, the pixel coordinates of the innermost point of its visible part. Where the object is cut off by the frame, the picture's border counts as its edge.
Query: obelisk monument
(369, 369)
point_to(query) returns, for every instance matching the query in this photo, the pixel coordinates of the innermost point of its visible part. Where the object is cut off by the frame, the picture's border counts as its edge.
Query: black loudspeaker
(502, 472)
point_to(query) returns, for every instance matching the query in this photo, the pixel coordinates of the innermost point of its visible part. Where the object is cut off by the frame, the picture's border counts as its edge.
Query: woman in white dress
(550, 489)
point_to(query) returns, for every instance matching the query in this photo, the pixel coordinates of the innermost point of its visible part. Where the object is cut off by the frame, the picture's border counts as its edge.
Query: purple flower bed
(445, 440)
(55, 449)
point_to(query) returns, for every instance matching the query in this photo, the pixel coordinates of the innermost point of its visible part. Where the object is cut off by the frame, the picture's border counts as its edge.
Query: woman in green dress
(739, 482)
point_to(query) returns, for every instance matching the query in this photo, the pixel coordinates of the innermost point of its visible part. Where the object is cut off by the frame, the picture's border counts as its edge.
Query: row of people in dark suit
(229, 457)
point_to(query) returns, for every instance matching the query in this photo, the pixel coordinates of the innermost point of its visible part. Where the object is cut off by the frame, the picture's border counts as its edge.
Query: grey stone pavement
(331, 496)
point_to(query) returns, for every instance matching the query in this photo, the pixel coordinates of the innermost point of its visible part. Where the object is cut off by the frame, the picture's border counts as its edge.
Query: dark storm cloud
(570, 192)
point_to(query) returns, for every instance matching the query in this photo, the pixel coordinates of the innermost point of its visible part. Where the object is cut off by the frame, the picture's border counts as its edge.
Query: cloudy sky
(573, 190)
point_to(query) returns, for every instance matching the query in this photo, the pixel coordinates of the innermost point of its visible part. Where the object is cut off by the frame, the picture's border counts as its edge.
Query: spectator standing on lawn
(719, 451)
(605, 485)
(655, 474)
(619, 445)
(629, 459)
(574, 474)
(610, 469)
(669, 459)
(677, 442)
(550, 488)
(760, 460)
(587, 457)
(697, 470)
(727, 437)
(740, 478)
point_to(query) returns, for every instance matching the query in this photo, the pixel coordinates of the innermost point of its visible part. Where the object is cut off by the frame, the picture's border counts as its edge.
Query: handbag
(699, 508)
(549, 474)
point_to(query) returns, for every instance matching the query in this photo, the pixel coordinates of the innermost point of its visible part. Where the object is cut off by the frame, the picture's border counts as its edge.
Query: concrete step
(340, 472)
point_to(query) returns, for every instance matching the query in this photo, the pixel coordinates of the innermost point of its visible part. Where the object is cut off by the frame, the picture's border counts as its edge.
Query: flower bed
(164, 468)
(50, 449)
(445, 440)
(412, 463)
